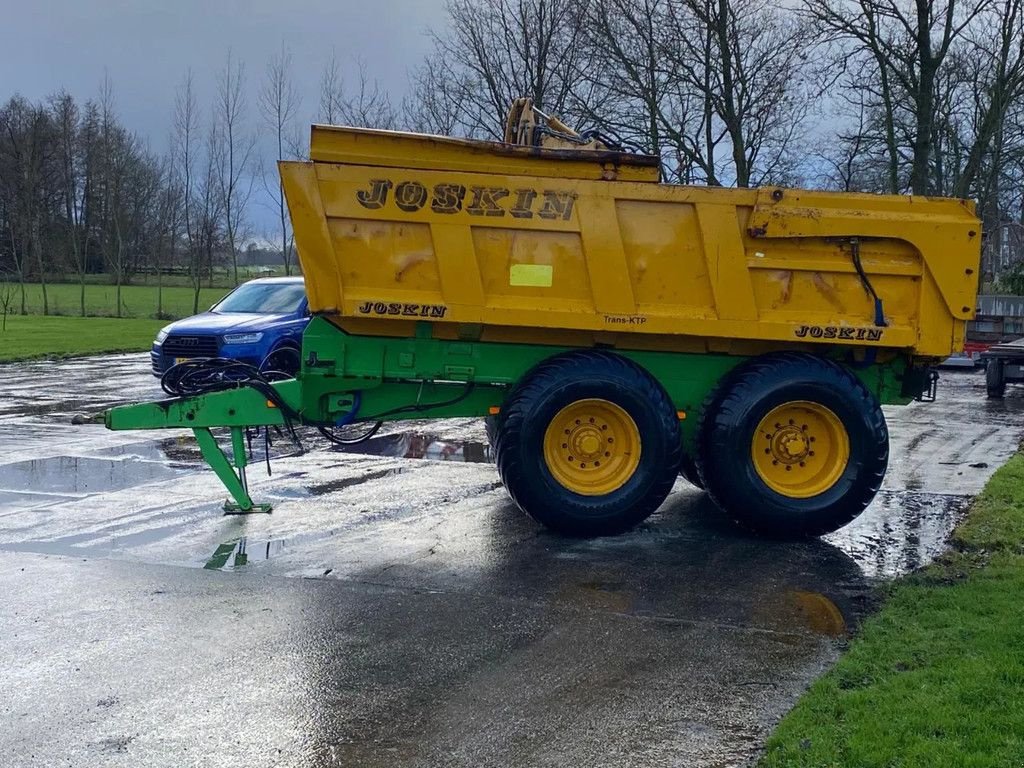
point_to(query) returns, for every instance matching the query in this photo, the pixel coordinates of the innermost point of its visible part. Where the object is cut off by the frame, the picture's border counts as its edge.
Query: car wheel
(284, 359)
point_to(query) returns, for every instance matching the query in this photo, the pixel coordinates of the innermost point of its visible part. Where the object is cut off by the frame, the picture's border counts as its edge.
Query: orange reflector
(681, 415)
(494, 410)
(270, 404)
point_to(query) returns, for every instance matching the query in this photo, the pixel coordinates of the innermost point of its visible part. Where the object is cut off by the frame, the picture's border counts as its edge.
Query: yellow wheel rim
(800, 449)
(592, 447)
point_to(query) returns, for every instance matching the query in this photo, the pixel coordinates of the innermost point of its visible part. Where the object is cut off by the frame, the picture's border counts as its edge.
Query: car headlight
(161, 336)
(242, 338)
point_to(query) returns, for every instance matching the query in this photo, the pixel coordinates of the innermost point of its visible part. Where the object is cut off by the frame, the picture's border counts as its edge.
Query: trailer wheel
(588, 443)
(491, 428)
(995, 378)
(793, 445)
(688, 469)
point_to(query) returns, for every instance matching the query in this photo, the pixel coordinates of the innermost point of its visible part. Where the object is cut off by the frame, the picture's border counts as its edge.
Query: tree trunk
(83, 268)
(924, 102)
(733, 124)
(159, 283)
(285, 256)
(34, 245)
(119, 263)
(890, 133)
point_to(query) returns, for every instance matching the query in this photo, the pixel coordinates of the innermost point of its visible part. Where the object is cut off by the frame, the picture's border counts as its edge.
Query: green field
(101, 300)
(937, 677)
(34, 336)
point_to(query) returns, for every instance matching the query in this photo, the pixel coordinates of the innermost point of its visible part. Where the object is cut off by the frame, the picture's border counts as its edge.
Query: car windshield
(264, 298)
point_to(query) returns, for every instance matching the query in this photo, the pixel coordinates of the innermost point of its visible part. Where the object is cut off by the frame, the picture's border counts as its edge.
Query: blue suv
(259, 323)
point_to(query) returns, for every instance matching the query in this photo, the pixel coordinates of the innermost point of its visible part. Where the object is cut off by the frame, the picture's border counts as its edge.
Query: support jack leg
(231, 472)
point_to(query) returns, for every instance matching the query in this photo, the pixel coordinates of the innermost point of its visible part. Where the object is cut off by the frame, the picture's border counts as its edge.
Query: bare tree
(437, 98)
(186, 160)
(368, 106)
(745, 61)
(208, 210)
(169, 214)
(629, 89)
(995, 78)
(495, 51)
(234, 149)
(23, 143)
(279, 104)
(67, 123)
(112, 163)
(907, 45)
(7, 292)
(332, 92)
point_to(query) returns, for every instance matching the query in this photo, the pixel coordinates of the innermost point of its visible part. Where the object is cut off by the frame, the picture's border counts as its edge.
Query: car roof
(284, 280)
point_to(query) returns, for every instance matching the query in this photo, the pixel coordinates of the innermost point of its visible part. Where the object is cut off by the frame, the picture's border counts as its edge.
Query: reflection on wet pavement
(436, 623)
(414, 445)
(901, 531)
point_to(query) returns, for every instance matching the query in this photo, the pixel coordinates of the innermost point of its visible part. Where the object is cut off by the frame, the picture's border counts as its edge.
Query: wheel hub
(592, 447)
(800, 449)
(790, 444)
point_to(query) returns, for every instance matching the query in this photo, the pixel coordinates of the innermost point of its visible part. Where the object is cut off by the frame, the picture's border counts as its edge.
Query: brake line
(870, 289)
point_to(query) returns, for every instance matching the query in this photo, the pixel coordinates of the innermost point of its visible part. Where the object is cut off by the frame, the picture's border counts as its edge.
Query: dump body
(496, 243)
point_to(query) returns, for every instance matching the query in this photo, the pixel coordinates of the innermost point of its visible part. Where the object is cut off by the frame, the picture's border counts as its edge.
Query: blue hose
(349, 417)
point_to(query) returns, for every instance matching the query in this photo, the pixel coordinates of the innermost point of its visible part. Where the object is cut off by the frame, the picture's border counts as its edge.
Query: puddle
(237, 553)
(406, 445)
(902, 530)
(81, 475)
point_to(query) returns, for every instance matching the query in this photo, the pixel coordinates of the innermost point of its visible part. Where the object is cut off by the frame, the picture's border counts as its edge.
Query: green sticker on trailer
(532, 275)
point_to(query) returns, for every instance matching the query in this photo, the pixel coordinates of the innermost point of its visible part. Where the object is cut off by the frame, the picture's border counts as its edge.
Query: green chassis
(393, 373)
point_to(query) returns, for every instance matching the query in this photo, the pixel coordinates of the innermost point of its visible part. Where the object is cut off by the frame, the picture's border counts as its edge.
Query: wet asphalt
(396, 609)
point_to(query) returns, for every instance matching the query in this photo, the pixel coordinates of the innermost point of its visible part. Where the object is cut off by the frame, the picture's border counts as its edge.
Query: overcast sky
(145, 46)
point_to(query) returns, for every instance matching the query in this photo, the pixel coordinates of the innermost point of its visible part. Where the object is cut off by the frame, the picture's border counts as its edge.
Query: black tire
(688, 469)
(995, 379)
(734, 412)
(535, 402)
(491, 428)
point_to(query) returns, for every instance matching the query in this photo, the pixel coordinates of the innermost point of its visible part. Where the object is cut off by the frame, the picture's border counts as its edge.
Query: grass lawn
(101, 300)
(937, 677)
(33, 336)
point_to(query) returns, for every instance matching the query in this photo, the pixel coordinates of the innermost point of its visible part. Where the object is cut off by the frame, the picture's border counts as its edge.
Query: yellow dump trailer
(510, 243)
(614, 331)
